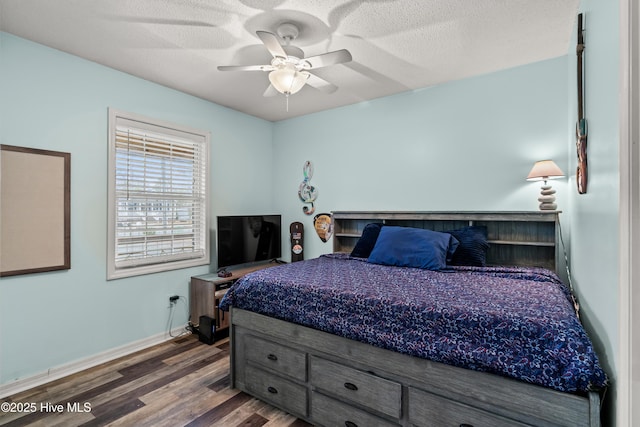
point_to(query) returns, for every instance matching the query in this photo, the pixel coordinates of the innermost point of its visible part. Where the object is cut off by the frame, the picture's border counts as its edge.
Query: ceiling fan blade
(159, 21)
(271, 91)
(272, 44)
(331, 58)
(321, 84)
(245, 68)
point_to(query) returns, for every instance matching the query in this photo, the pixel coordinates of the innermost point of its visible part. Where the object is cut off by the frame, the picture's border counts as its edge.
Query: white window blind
(159, 196)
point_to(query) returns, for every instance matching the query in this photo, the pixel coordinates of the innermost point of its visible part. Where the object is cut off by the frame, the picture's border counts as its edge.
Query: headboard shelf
(532, 243)
(516, 237)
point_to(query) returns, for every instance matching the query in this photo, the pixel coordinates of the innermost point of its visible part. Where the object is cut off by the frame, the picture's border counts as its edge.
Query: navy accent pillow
(367, 241)
(473, 246)
(412, 247)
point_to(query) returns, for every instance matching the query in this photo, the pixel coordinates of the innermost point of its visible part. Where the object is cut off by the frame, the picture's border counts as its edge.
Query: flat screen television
(246, 239)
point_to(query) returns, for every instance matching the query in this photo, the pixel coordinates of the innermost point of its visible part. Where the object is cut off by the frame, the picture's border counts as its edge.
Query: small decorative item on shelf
(544, 170)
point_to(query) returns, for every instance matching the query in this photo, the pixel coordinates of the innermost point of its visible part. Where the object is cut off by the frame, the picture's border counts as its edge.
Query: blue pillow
(473, 246)
(412, 247)
(367, 240)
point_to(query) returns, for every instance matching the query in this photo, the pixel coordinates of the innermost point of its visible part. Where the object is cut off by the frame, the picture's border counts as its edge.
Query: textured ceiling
(397, 45)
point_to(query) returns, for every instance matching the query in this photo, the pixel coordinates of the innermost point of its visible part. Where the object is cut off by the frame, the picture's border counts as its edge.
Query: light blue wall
(55, 101)
(465, 145)
(594, 215)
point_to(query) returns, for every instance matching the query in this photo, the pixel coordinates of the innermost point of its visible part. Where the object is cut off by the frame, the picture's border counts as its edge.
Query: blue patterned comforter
(515, 322)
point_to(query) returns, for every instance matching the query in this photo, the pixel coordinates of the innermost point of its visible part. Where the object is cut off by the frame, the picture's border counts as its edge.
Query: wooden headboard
(515, 238)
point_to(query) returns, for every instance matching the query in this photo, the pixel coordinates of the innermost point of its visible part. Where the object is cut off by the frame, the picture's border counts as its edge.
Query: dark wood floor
(178, 383)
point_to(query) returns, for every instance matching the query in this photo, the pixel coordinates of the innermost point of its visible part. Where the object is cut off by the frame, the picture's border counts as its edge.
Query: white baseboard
(58, 372)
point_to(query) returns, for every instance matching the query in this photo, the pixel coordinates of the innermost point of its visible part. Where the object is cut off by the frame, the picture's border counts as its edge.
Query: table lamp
(544, 170)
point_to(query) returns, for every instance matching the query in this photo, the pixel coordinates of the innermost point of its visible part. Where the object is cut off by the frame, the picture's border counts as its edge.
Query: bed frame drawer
(329, 412)
(406, 390)
(285, 394)
(426, 410)
(361, 387)
(276, 357)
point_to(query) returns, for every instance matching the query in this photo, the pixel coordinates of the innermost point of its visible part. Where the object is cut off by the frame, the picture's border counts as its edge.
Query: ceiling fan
(289, 69)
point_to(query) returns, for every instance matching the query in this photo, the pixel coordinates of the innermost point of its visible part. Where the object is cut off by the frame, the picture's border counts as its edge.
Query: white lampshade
(288, 80)
(544, 170)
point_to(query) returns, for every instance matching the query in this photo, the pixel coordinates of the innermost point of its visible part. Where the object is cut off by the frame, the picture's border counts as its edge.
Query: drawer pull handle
(351, 386)
(272, 390)
(466, 425)
(272, 356)
(350, 424)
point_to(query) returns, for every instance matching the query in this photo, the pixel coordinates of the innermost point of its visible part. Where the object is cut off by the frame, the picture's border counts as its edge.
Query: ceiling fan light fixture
(288, 80)
(290, 70)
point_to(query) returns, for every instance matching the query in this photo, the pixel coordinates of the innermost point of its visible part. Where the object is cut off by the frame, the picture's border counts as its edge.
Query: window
(158, 196)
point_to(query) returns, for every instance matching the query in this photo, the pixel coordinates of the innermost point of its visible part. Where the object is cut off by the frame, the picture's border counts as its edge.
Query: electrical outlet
(173, 299)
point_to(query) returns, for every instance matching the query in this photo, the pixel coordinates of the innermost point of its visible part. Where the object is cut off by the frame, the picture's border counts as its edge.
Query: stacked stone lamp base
(547, 198)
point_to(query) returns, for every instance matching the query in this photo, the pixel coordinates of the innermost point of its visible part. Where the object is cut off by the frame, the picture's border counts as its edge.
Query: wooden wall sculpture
(581, 125)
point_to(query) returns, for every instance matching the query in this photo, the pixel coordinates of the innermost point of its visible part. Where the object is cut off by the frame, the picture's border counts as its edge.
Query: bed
(486, 336)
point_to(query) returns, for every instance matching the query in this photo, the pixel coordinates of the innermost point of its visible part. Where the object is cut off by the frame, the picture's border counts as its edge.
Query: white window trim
(113, 271)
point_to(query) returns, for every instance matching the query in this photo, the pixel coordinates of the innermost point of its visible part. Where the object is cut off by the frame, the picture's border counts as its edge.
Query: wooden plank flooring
(177, 383)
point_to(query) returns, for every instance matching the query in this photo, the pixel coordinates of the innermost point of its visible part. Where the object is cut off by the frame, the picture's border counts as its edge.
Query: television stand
(206, 292)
